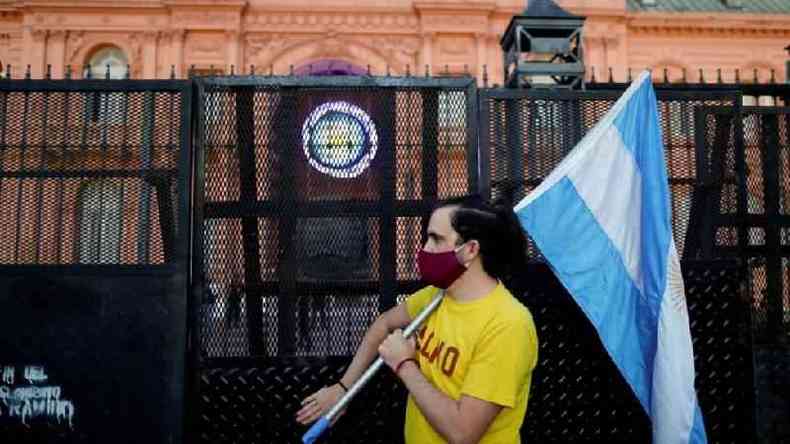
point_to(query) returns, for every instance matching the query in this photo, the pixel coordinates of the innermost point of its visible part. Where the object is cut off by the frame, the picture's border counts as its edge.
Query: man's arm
(395, 317)
(317, 404)
(460, 422)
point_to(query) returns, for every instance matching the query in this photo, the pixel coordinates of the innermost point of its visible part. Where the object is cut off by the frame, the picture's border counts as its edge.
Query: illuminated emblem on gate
(339, 139)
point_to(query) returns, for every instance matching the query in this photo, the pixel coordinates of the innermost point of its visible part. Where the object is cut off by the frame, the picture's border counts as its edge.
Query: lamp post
(543, 48)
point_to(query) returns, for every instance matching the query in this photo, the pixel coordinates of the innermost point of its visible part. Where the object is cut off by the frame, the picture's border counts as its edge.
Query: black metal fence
(310, 199)
(315, 193)
(577, 396)
(94, 218)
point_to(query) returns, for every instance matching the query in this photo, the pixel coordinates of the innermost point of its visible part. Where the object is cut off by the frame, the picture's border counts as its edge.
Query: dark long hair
(503, 244)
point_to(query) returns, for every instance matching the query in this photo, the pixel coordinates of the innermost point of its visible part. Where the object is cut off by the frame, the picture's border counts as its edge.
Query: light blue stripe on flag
(602, 220)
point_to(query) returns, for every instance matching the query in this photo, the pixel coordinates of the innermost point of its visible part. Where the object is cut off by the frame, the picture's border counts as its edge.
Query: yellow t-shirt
(486, 348)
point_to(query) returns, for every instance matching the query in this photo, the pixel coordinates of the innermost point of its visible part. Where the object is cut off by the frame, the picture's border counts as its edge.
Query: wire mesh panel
(525, 133)
(315, 192)
(94, 211)
(89, 176)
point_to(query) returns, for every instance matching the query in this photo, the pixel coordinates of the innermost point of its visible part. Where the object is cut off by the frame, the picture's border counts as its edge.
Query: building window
(106, 107)
(100, 222)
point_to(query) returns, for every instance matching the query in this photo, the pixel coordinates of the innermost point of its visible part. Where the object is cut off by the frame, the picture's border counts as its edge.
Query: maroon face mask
(439, 269)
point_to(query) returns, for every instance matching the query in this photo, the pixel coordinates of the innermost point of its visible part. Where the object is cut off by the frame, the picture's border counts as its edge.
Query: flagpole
(326, 421)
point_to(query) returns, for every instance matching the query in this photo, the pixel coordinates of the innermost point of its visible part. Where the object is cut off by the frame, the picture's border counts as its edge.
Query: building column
(481, 39)
(56, 54)
(594, 59)
(150, 40)
(35, 55)
(177, 38)
(232, 53)
(426, 54)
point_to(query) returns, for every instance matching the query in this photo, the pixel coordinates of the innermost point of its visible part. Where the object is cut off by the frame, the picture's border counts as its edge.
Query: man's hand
(396, 348)
(319, 403)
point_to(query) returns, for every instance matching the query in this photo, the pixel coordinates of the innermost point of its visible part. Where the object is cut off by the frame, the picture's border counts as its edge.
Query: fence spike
(252, 69)
(737, 75)
(388, 70)
(446, 70)
(630, 76)
(683, 73)
(592, 74)
(68, 72)
(427, 70)
(611, 75)
(701, 76)
(756, 77)
(107, 72)
(49, 72)
(172, 72)
(718, 76)
(367, 68)
(290, 69)
(191, 72)
(408, 71)
(128, 73)
(8, 71)
(485, 76)
(666, 75)
(232, 70)
(773, 75)
(27, 72)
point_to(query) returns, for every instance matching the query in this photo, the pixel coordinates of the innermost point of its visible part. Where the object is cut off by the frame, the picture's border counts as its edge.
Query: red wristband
(400, 364)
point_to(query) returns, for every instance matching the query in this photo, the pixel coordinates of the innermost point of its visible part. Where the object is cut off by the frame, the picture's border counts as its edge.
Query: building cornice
(39, 5)
(696, 23)
(486, 7)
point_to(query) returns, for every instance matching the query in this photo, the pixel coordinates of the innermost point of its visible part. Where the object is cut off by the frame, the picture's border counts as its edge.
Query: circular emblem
(339, 139)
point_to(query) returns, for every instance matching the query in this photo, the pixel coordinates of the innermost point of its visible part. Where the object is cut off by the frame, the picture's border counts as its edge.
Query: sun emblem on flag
(677, 291)
(339, 139)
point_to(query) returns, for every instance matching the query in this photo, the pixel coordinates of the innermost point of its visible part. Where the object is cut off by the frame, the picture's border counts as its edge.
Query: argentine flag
(602, 220)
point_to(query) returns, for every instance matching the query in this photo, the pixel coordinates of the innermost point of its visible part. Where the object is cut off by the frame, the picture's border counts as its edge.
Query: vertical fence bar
(3, 139)
(285, 134)
(39, 180)
(144, 203)
(22, 153)
(770, 160)
(245, 147)
(59, 222)
(387, 224)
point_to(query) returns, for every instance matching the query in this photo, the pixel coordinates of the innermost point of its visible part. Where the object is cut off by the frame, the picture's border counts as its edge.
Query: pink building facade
(398, 36)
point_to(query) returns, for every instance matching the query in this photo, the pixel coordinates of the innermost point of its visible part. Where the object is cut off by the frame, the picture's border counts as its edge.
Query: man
(469, 370)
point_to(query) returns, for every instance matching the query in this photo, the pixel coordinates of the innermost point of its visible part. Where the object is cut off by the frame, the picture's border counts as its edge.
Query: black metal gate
(743, 210)
(314, 197)
(525, 134)
(94, 218)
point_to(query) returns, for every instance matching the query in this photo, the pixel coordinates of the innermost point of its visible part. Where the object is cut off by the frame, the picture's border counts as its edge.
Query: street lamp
(543, 48)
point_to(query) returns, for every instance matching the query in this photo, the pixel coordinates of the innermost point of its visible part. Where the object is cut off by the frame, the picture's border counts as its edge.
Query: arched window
(107, 107)
(108, 56)
(100, 222)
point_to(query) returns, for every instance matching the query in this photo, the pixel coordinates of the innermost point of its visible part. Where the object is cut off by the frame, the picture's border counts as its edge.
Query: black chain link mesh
(88, 177)
(314, 205)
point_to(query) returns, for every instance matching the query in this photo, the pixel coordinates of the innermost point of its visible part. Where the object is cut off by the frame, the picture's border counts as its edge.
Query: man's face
(441, 235)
